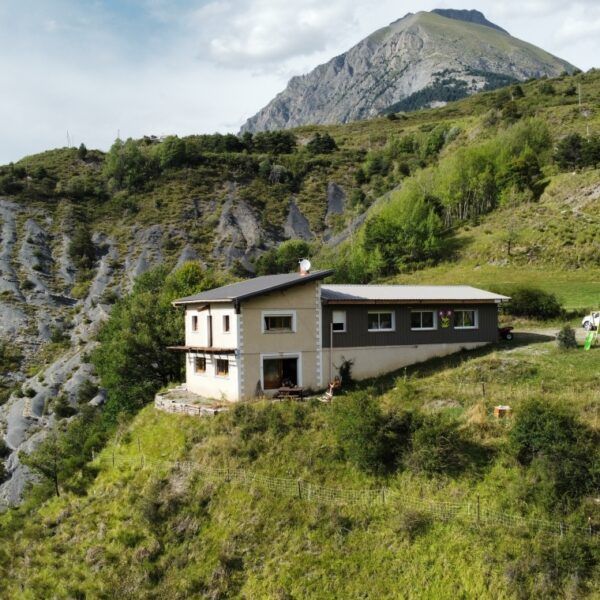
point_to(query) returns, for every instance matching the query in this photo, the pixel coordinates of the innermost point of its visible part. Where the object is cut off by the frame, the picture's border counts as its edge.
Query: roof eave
(413, 301)
(242, 297)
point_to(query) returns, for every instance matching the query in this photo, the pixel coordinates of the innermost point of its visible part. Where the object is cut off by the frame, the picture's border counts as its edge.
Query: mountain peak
(419, 61)
(469, 16)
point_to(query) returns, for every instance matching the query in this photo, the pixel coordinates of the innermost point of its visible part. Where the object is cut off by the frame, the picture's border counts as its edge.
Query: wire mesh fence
(470, 512)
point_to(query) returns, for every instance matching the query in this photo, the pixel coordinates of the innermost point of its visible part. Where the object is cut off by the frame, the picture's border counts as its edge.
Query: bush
(562, 451)
(436, 445)
(321, 144)
(4, 449)
(372, 440)
(62, 408)
(87, 391)
(81, 247)
(414, 523)
(566, 338)
(284, 258)
(533, 302)
(547, 89)
(2, 472)
(358, 424)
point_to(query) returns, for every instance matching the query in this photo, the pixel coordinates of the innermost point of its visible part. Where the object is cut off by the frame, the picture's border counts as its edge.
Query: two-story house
(253, 337)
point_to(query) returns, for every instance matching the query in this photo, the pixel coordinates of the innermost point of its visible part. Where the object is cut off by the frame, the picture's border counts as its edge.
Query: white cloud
(262, 32)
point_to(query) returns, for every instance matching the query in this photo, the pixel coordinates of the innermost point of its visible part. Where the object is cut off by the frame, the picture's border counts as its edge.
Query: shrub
(87, 391)
(321, 144)
(284, 258)
(62, 408)
(2, 472)
(436, 445)
(533, 302)
(358, 424)
(4, 449)
(414, 523)
(81, 247)
(562, 451)
(372, 440)
(58, 335)
(547, 89)
(566, 338)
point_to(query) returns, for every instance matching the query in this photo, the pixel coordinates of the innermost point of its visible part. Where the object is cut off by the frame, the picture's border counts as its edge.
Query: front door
(280, 372)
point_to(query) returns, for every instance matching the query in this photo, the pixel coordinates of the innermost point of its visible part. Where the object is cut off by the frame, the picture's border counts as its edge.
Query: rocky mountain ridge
(446, 53)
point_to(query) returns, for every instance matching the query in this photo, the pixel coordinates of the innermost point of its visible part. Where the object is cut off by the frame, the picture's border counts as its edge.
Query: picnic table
(290, 392)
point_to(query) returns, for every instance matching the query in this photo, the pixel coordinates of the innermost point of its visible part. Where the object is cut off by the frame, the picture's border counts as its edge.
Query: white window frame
(278, 313)
(382, 312)
(217, 374)
(475, 318)
(425, 310)
(194, 323)
(344, 321)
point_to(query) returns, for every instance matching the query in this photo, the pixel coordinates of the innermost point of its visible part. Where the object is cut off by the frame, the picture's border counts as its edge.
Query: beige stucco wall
(304, 301)
(377, 360)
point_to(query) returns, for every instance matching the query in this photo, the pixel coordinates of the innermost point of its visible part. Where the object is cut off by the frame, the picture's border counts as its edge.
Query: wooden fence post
(113, 458)
(299, 488)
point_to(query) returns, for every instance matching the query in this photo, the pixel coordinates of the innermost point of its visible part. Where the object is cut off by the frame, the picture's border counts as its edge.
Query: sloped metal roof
(407, 293)
(251, 287)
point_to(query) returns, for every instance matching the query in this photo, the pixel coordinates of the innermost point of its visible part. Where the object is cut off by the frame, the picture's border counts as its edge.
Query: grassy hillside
(553, 244)
(157, 531)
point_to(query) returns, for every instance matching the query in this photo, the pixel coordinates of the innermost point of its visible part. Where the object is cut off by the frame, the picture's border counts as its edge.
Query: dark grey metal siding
(357, 333)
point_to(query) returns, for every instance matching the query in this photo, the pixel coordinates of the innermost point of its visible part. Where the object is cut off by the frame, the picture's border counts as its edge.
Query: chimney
(304, 266)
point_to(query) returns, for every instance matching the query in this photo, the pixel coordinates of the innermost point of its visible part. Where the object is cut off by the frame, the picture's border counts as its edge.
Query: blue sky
(101, 67)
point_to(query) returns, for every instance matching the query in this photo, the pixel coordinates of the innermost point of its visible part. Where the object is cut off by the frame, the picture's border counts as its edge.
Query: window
(339, 320)
(381, 321)
(226, 323)
(280, 372)
(423, 319)
(195, 323)
(222, 367)
(278, 323)
(200, 364)
(465, 319)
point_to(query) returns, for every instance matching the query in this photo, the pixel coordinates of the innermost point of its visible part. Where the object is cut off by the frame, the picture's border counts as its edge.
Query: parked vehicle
(590, 322)
(506, 333)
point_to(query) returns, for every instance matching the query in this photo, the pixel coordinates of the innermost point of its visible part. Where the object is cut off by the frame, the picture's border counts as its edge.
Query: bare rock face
(238, 232)
(296, 225)
(336, 199)
(392, 64)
